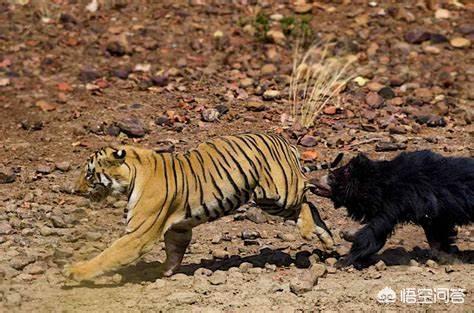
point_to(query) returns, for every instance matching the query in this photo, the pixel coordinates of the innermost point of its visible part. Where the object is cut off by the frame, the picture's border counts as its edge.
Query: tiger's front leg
(123, 251)
(309, 223)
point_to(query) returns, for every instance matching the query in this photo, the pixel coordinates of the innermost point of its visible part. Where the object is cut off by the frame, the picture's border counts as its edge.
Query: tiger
(171, 193)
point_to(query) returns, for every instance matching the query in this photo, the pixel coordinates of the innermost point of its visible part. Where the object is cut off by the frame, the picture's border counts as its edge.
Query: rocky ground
(76, 75)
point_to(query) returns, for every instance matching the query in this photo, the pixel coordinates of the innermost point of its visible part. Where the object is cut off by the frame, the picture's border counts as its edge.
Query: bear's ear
(362, 158)
(337, 160)
(360, 164)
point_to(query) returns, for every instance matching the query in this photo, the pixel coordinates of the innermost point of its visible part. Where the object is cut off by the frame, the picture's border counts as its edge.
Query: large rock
(220, 254)
(5, 228)
(424, 94)
(250, 234)
(116, 48)
(268, 69)
(218, 278)
(307, 279)
(300, 286)
(271, 94)
(466, 28)
(317, 271)
(331, 261)
(7, 176)
(287, 237)
(431, 120)
(256, 215)
(13, 299)
(132, 127)
(380, 266)
(308, 141)
(374, 100)
(21, 261)
(389, 146)
(460, 42)
(44, 169)
(58, 221)
(88, 75)
(416, 36)
(63, 166)
(255, 106)
(386, 93)
(210, 115)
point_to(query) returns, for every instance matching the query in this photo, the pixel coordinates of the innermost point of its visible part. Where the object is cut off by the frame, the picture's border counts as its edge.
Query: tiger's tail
(323, 166)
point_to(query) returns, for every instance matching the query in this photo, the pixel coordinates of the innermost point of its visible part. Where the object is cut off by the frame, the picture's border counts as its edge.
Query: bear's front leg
(368, 240)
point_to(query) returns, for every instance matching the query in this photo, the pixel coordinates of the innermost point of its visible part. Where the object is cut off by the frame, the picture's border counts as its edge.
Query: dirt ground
(150, 73)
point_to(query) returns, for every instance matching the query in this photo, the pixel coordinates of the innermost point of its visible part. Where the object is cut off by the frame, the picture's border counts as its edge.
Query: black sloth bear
(421, 187)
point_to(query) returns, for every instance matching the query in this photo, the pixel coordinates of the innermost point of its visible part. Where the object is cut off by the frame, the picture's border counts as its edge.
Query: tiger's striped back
(224, 173)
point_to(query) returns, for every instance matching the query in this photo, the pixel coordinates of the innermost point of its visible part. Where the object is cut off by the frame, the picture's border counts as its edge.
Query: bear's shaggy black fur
(421, 187)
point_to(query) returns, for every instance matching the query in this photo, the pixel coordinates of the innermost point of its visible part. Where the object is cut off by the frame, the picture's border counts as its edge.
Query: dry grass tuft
(317, 79)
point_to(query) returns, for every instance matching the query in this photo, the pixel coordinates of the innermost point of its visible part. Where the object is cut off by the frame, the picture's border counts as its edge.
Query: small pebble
(218, 278)
(331, 261)
(380, 266)
(63, 166)
(460, 42)
(431, 264)
(220, 254)
(210, 115)
(44, 169)
(245, 266)
(271, 94)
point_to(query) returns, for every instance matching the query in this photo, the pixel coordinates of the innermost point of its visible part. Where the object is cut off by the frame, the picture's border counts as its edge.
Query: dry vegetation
(317, 79)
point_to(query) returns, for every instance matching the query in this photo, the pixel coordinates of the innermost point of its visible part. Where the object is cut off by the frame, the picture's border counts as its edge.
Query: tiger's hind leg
(176, 242)
(310, 222)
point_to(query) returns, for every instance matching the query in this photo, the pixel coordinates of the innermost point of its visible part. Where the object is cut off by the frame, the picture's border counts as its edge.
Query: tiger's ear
(119, 155)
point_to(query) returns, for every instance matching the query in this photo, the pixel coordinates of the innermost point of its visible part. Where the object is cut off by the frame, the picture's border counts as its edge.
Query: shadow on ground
(144, 271)
(400, 256)
(150, 271)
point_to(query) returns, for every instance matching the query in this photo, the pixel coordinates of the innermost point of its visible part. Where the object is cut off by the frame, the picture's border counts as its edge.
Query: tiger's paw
(328, 243)
(79, 272)
(326, 239)
(306, 229)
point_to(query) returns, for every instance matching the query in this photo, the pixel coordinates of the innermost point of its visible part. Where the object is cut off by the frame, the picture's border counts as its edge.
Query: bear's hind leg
(441, 236)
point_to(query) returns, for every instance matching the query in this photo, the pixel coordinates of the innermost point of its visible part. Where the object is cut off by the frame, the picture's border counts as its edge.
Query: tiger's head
(104, 173)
